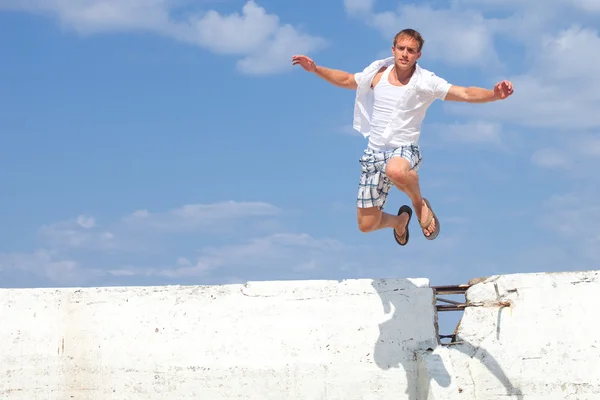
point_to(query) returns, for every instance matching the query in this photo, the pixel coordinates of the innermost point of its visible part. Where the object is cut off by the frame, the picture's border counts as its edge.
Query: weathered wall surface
(530, 336)
(526, 336)
(273, 340)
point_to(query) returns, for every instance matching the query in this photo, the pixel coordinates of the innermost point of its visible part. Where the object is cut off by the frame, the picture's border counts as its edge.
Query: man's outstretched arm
(479, 95)
(334, 76)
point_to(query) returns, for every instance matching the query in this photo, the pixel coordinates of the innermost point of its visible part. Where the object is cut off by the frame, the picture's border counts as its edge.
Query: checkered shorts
(374, 185)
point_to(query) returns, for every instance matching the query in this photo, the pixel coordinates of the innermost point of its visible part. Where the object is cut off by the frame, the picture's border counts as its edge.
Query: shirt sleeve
(358, 77)
(438, 87)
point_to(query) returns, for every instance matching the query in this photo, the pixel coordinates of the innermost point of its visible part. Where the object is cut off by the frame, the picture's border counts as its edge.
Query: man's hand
(305, 62)
(502, 90)
(334, 76)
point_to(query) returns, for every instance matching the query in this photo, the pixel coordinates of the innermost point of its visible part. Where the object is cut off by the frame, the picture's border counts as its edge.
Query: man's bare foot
(427, 220)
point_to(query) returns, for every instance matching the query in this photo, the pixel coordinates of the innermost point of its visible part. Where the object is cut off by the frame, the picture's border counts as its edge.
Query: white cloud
(86, 222)
(439, 27)
(578, 156)
(79, 250)
(44, 263)
(68, 254)
(473, 132)
(281, 45)
(134, 232)
(78, 233)
(358, 6)
(235, 33)
(557, 5)
(585, 5)
(569, 216)
(589, 146)
(279, 251)
(550, 158)
(197, 217)
(264, 44)
(71, 254)
(99, 16)
(561, 90)
(561, 200)
(573, 217)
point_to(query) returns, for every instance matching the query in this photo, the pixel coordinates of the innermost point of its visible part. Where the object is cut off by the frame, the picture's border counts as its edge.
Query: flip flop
(424, 225)
(404, 238)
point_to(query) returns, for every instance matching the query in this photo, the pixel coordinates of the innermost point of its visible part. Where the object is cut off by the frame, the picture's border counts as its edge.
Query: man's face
(406, 52)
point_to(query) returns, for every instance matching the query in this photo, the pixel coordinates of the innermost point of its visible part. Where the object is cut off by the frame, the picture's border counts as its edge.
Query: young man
(392, 97)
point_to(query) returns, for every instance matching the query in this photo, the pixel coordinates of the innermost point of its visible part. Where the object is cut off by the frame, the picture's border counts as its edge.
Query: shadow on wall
(485, 358)
(410, 328)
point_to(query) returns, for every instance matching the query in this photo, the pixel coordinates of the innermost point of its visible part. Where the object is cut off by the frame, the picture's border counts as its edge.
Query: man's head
(407, 47)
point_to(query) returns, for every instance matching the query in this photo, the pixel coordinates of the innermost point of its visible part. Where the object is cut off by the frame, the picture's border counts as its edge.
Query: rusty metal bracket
(452, 305)
(447, 290)
(449, 305)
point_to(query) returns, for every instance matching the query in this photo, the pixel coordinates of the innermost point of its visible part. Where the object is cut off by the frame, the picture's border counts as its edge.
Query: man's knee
(368, 219)
(399, 171)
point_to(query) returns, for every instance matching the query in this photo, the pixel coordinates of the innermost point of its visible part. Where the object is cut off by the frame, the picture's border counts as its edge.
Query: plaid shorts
(374, 185)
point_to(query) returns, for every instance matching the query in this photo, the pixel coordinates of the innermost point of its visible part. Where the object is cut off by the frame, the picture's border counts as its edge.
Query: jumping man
(392, 97)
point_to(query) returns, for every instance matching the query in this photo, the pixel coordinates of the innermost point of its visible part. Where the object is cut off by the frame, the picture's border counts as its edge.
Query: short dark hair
(412, 34)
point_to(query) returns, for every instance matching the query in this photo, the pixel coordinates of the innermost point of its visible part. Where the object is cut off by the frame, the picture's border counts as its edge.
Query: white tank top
(386, 96)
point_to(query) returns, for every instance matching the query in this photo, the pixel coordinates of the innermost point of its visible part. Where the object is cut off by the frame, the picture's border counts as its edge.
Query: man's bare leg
(407, 180)
(372, 218)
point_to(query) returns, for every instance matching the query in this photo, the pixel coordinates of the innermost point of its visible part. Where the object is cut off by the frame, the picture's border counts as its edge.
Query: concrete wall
(273, 340)
(525, 337)
(544, 345)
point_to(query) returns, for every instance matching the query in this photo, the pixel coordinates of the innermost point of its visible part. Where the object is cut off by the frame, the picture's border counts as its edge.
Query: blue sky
(172, 142)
